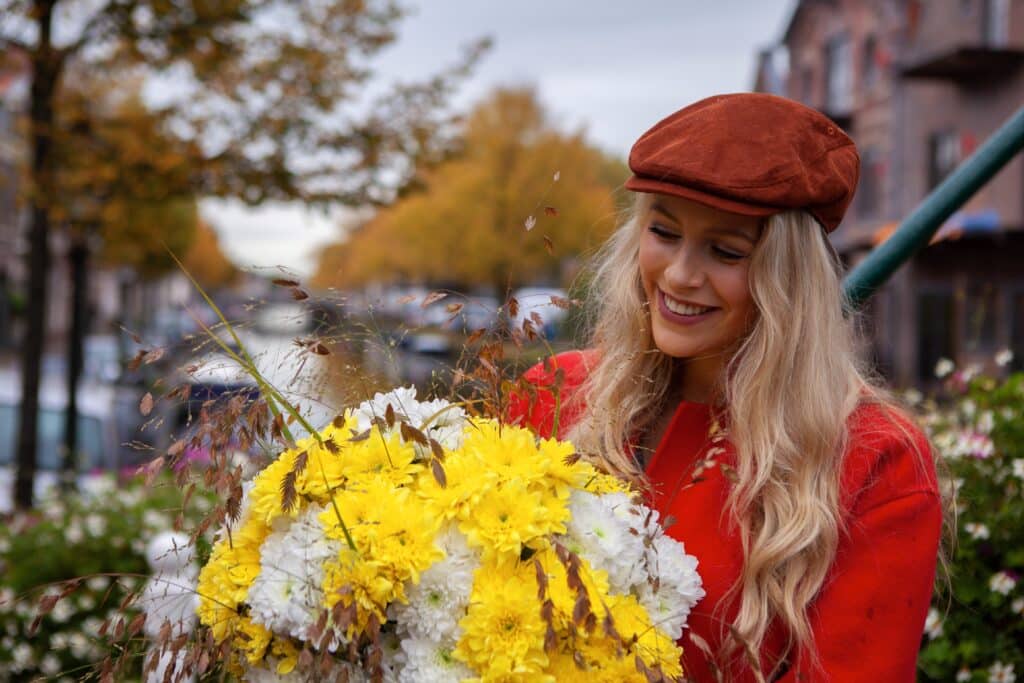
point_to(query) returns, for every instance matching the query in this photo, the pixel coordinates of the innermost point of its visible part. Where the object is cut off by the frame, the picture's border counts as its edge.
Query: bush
(52, 627)
(975, 629)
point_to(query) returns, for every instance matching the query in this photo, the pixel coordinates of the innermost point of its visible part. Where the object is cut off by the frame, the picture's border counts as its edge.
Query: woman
(723, 379)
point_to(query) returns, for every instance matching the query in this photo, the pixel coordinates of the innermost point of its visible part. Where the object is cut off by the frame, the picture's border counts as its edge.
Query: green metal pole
(917, 229)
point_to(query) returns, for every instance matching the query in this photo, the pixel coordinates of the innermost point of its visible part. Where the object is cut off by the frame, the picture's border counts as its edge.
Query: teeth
(685, 309)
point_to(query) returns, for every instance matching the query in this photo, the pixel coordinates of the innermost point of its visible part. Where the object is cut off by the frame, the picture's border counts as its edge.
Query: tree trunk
(45, 66)
(78, 256)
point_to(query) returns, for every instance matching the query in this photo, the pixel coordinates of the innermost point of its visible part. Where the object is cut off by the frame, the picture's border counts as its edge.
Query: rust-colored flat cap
(749, 153)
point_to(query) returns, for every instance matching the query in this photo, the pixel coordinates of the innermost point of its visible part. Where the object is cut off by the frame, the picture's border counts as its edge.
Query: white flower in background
(97, 583)
(59, 641)
(913, 396)
(1002, 582)
(155, 521)
(439, 600)
(287, 596)
(6, 599)
(602, 537)
(964, 674)
(5, 544)
(73, 533)
(50, 665)
(1018, 468)
(423, 660)
(95, 525)
(1017, 606)
(62, 611)
(943, 367)
(79, 645)
(679, 585)
(22, 656)
(933, 624)
(86, 602)
(1004, 357)
(986, 421)
(969, 408)
(977, 531)
(1001, 673)
(92, 625)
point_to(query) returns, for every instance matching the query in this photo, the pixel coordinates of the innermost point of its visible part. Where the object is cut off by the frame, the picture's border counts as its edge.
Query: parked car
(97, 433)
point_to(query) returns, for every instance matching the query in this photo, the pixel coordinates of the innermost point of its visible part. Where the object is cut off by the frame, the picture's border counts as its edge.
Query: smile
(682, 311)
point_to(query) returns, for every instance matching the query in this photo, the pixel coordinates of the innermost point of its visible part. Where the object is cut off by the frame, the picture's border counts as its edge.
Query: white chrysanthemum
(287, 596)
(669, 599)
(1001, 673)
(599, 532)
(439, 419)
(439, 601)
(424, 660)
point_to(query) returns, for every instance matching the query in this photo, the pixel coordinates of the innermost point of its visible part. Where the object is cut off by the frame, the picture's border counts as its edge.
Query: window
(51, 434)
(981, 313)
(839, 76)
(935, 329)
(869, 191)
(943, 156)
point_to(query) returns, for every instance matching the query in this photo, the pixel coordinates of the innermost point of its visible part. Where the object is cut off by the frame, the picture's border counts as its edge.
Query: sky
(609, 66)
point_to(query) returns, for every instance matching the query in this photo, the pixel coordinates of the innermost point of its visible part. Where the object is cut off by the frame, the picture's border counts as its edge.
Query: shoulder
(551, 388)
(887, 457)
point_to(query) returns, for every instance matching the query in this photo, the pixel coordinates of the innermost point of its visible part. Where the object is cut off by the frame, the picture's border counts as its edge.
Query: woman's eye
(727, 254)
(662, 232)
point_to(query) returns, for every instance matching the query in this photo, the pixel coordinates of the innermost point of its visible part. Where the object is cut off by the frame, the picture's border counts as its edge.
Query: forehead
(691, 214)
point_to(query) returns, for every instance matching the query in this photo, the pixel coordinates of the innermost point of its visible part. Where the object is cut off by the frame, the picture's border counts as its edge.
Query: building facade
(919, 84)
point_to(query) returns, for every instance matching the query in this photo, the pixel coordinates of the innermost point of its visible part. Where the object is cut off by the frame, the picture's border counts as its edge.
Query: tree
(266, 91)
(521, 197)
(207, 262)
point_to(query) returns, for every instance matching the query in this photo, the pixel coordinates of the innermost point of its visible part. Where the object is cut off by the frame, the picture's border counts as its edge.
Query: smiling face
(694, 261)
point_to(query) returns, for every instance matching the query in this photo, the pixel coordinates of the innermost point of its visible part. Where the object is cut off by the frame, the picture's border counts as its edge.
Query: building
(919, 84)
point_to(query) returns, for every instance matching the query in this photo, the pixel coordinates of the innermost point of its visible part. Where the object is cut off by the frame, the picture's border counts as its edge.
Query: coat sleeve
(869, 618)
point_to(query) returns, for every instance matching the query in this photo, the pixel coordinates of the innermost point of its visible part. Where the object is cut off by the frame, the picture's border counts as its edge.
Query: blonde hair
(788, 390)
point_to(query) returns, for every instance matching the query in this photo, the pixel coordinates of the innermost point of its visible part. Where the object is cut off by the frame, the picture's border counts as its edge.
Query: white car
(97, 434)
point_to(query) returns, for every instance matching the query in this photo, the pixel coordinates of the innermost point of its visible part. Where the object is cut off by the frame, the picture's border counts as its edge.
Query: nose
(686, 270)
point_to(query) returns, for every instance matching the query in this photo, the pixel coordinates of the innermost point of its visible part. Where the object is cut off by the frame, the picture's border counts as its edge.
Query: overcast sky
(611, 66)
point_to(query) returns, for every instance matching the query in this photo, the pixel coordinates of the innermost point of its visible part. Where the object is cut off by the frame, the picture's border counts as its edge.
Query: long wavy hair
(786, 394)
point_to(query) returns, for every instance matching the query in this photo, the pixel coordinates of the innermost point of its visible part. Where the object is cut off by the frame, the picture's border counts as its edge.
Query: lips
(684, 312)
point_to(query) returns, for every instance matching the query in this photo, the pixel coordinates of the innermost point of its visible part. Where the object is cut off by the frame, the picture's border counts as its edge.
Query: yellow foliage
(469, 226)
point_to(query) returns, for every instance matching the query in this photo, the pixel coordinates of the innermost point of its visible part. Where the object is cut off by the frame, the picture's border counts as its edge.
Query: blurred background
(357, 194)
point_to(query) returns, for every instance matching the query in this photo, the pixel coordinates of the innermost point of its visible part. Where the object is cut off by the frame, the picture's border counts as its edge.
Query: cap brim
(638, 184)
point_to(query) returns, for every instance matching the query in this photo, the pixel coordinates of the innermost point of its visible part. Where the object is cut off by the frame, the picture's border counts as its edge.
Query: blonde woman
(723, 378)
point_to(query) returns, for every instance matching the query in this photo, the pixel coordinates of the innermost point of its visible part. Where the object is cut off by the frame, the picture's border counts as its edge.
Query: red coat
(868, 618)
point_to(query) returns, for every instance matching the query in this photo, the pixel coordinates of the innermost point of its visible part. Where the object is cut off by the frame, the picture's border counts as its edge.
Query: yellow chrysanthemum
(510, 517)
(600, 483)
(503, 633)
(225, 579)
(652, 645)
(466, 483)
(251, 640)
(367, 584)
(383, 456)
(505, 453)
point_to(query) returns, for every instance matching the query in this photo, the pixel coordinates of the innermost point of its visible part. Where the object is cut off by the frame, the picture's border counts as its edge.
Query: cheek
(647, 258)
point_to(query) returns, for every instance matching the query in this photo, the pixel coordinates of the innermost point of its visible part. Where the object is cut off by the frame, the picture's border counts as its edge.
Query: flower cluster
(68, 569)
(408, 541)
(976, 632)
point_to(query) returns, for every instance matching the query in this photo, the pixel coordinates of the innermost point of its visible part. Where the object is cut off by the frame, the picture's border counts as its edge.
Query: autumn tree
(206, 261)
(521, 197)
(269, 93)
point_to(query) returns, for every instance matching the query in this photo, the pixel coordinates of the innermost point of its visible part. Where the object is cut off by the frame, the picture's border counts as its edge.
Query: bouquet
(408, 541)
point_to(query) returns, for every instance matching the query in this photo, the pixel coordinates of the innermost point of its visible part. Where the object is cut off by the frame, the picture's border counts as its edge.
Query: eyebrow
(739, 231)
